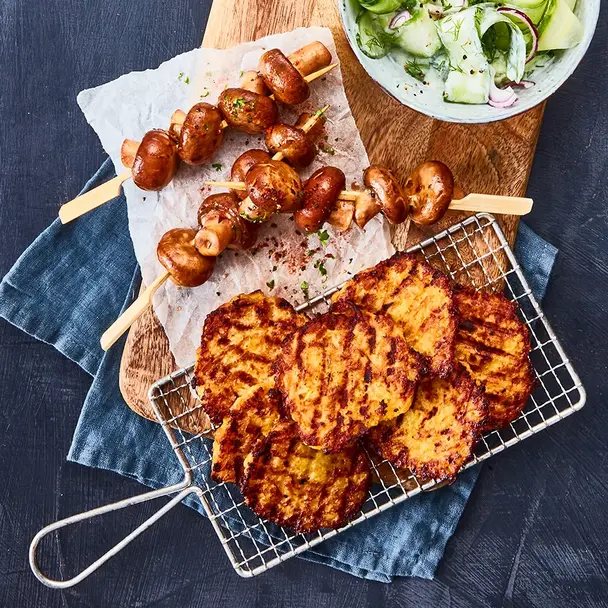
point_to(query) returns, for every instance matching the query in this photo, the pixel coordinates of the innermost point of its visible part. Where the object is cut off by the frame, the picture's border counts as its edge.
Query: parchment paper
(284, 262)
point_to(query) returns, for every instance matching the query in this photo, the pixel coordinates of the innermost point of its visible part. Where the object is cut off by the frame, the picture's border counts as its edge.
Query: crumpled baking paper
(284, 262)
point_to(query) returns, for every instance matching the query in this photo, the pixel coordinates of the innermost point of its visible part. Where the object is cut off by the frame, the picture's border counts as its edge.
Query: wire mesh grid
(473, 252)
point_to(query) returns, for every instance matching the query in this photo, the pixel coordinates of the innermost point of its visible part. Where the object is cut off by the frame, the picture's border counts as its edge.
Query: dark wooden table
(535, 532)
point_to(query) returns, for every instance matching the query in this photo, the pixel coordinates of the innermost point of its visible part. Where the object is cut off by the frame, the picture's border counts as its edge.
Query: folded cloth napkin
(72, 283)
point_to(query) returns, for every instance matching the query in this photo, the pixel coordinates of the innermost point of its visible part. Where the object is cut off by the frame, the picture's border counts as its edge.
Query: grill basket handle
(127, 502)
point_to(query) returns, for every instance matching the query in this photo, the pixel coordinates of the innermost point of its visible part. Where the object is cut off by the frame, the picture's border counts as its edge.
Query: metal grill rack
(254, 545)
(473, 252)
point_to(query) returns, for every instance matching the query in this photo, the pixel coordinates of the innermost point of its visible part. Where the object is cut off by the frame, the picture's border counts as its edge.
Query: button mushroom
(176, 252)
(282, 78)
(156, 161)
(222, 227)
(320, 195)
(292, 142)
(247, 111)
(243, 163)
(429, 191)
(201, 134)
(388, 194)
(274, 187)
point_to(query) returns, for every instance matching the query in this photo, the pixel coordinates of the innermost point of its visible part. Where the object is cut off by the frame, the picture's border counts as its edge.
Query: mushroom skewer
(154, 161)
(218, 230)
(188, 257)
(427, 195)
(182, 263)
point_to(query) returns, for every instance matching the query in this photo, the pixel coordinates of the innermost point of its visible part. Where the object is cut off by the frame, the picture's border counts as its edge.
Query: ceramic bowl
(428, 99)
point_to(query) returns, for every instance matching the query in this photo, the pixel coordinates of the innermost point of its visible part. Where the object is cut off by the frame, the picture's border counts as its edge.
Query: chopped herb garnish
(310, 252)
(323, 237)
(180, 75)
(205, 94)
(325, 147)
(270, 284)
(249, 218)
(304, 288)
(217, 166)
(241, 74)
(320, 266)
(187, 79)
(239, 102)
(414, 70)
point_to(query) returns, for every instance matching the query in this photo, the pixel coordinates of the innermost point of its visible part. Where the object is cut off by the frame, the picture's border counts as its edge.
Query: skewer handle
(92, 199)
(129, 316)
(490, 203)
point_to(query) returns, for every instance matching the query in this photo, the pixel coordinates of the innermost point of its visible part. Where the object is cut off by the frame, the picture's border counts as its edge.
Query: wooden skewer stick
(129, 316)
(106, 192)
(490, 203)
(93, 198)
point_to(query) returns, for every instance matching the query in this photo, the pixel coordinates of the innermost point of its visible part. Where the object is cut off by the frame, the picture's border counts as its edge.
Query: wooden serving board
(494, 158)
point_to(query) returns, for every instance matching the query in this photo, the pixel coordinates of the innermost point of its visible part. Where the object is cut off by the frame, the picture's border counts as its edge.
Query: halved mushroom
(429, 191)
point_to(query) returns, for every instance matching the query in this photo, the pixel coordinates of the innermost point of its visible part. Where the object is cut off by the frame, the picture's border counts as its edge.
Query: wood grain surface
(494, 158)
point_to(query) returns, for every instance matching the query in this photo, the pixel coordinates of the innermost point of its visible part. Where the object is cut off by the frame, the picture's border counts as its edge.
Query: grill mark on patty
(239, 344)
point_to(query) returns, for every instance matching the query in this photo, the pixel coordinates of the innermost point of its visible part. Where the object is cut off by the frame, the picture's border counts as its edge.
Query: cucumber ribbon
(471, 75)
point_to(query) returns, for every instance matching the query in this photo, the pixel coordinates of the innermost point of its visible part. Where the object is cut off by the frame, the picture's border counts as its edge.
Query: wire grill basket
(473, 252)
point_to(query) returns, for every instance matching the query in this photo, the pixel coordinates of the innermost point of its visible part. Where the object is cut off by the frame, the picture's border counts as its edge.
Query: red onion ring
(513, 12)
(502, 98)
(399, 19)
(504, 104)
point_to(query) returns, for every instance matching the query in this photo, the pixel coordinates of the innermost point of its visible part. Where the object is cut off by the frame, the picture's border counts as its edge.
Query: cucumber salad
(480, 51)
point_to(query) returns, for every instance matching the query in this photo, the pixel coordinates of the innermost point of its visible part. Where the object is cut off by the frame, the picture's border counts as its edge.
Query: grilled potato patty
(343, 373)
(295, 486)
(494, 346)
(438, 434)
(417, 297)
(240, 341)
(251, 416)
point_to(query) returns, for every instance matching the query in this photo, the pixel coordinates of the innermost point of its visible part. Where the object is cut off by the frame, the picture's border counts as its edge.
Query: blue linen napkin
(72, 283)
